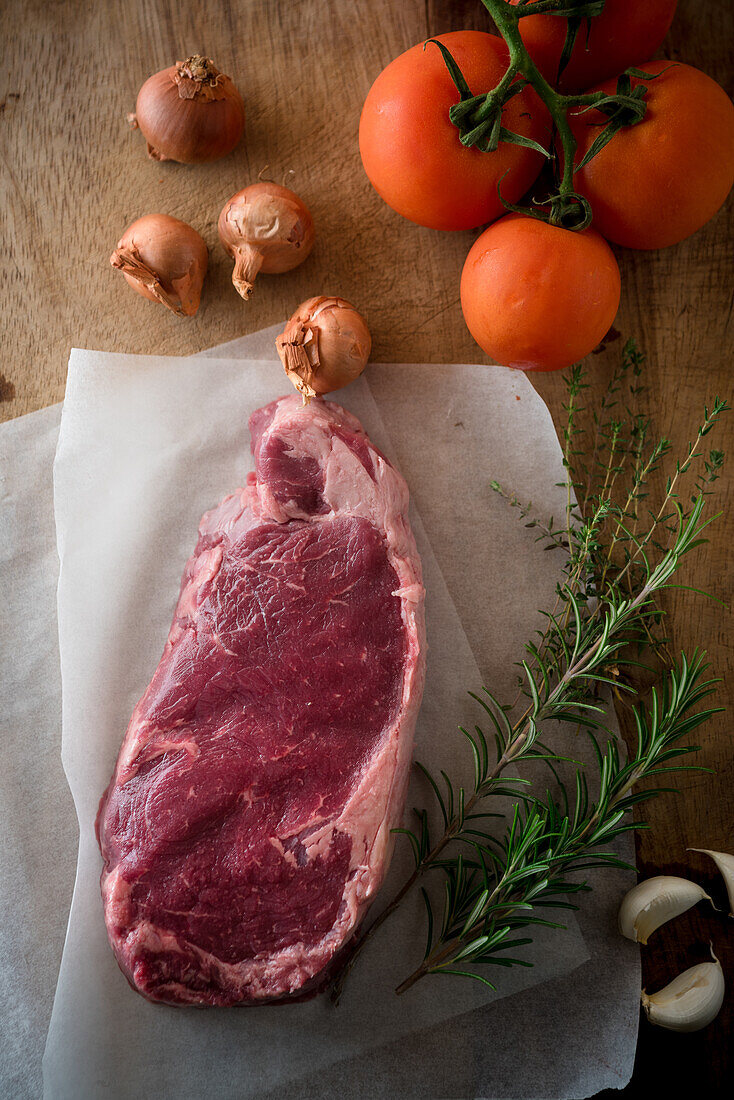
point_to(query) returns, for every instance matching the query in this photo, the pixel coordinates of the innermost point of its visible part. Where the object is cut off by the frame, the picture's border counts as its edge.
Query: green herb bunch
(621, 551)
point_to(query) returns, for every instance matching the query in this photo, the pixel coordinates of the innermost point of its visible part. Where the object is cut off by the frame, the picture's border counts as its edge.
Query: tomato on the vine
(660, 180)
(411, 150)
(538, 297)
(625, 33)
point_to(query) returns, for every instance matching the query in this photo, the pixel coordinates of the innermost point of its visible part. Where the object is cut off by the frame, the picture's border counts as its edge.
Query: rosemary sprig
(620, 555)
(492, 892)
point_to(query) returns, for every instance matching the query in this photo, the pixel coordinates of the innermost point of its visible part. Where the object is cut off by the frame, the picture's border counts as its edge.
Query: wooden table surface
(74, 176)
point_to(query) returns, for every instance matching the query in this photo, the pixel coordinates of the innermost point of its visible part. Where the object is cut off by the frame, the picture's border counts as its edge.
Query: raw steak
(247, 825)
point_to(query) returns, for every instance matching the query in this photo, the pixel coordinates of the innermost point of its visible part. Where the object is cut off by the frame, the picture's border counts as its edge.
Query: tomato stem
(566, 204)
(538, 7)
(479, 117)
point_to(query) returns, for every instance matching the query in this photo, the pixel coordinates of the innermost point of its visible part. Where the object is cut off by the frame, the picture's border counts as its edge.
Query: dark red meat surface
(240, 836)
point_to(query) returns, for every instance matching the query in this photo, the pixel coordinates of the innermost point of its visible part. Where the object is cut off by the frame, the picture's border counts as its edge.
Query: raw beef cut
(248, 822)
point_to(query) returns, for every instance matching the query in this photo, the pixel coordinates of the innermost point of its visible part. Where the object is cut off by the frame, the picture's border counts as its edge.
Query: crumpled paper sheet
(574, 1057)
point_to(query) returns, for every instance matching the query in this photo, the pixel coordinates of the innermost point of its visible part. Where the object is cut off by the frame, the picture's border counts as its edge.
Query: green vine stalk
(479, 117)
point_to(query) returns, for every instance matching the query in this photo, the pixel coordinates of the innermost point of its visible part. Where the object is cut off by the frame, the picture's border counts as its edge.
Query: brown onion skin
(325, 345)
(265, 227)
(164, 260)
(189, 121)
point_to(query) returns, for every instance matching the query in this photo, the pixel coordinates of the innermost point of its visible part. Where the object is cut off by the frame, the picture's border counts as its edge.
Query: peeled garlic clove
(725, 863)
(653, 902)
(690, 1001)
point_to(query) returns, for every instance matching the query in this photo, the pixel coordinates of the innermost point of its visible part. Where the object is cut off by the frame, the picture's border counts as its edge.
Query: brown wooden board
(73, 176)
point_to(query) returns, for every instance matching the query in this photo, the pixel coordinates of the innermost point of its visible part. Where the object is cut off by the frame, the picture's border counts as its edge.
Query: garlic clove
(653, 902)
(725, 863)
(691, 1001)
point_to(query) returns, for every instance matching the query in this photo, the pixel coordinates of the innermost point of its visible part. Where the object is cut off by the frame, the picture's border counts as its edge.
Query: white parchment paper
(576, 1037)
(38, 831)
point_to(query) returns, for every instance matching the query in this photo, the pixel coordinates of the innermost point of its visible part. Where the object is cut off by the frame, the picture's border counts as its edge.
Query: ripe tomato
(626, 32)
(411, 150)
(537, 297)
(657, 182)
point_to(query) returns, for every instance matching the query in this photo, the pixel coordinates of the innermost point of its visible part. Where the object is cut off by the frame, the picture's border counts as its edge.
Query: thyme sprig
(621, 553)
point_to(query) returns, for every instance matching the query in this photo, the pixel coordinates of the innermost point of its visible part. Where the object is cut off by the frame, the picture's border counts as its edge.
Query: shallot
(325, 345)
(265, 227)
(189, 112)
(165, 260)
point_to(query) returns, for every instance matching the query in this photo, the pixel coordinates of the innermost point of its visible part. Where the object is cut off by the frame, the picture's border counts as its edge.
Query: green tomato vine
(479, 117)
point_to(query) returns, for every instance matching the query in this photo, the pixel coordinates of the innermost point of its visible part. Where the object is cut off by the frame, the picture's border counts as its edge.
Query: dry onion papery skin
(165, 260)
(190, 113)
(325, 345)
(265, 227)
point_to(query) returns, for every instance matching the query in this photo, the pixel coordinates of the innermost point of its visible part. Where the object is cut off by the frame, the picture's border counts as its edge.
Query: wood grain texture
(73, 176)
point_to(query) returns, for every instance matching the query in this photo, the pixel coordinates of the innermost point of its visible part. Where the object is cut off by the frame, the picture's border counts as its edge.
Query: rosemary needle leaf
(467, 974)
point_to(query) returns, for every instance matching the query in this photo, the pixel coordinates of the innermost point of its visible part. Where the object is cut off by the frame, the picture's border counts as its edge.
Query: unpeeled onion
(165, 260)
(325, 345)
(265, 227)
(189, 112)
